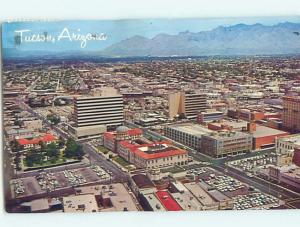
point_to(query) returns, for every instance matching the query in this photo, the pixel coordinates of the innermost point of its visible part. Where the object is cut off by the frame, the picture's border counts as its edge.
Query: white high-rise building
(99, 110)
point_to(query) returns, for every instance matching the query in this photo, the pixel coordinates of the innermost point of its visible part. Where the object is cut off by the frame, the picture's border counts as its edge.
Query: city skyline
(147, 123)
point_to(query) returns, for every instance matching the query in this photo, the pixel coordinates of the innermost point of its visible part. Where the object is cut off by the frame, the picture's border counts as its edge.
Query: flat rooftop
(262, 131)
(167, 200)
(80, 203)
(235, 124)
(117, 193)
(191, 128)
(187, 201)
(119, 196)
(154, 202)
(295, 139)
(203, 197)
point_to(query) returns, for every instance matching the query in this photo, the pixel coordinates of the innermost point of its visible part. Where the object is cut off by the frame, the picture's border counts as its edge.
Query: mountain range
(239, 39)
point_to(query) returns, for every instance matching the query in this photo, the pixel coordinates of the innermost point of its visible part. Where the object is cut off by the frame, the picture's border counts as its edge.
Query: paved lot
(87, 175)
(31, 187)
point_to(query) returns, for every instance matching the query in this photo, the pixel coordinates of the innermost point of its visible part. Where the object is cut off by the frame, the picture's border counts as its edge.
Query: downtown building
(291, 113)
(186, 103)
(94, 115)
(223, 143)
(130, 145)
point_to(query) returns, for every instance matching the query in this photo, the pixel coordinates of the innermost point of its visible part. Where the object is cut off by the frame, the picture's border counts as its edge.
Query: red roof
(130, 132)
(169, 203)
(45, 138)
(161, 154)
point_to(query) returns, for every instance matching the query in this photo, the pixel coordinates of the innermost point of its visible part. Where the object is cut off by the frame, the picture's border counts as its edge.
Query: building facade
(188, 104)
(98, 110)
(221, 144)
(291, 113)
(188, 134)
(152, 156)
(209, 116)
(285, 148)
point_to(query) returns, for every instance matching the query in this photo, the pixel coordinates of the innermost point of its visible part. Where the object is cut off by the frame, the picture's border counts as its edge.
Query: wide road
(261, 184)
(96, 158)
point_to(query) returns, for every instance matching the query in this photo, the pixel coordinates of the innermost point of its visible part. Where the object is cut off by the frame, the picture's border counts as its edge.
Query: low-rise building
(33, 124)
(85, 132)
(113, 197)
(35, 142)
(150, 202)
(210, 116)
(188, 134)
(111, 139)
(168, 201)
(220, 144)
(80, 203)
(289, 175)
(285, 147)
(141, 184)
(208, 203)
(153, 155)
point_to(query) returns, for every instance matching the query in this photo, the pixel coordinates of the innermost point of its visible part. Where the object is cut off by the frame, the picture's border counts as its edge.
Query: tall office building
(189, 104)
(291, 113)
(99, 110)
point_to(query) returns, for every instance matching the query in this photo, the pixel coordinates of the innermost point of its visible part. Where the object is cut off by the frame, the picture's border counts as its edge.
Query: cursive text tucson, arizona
(25, 36)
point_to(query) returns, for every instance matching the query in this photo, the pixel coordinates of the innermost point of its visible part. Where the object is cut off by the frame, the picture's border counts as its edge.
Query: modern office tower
(189, 104)
(291, 113)
(99, 110)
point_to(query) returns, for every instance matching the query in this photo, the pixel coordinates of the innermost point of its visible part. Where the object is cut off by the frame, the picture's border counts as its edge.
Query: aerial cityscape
(173, 121)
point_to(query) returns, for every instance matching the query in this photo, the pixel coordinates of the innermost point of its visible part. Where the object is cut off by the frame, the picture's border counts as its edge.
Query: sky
(115, 30)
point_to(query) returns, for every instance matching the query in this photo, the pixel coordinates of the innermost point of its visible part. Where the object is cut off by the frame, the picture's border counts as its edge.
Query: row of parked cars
(47, 181)
(248, 164)
(74, 177)
(196, 172)
(19, 187)
(101, 173)
(224, 183)
(255, 201)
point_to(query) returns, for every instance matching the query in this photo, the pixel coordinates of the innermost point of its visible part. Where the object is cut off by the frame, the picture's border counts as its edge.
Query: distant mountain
(240, 39)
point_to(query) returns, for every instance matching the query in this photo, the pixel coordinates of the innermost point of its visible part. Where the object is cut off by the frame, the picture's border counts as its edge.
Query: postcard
(151, 114)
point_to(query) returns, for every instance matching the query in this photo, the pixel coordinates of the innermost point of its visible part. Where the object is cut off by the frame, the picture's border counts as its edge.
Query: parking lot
(25, 187)
(255, 201)
(250, 164)
(244, 196)
(48, 181)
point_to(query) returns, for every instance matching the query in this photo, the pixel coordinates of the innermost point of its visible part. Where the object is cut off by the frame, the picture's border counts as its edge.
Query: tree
(34, 157)
(15, 146)
(52, 151)
(61, 142)
(79, 152)
(73, 150)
